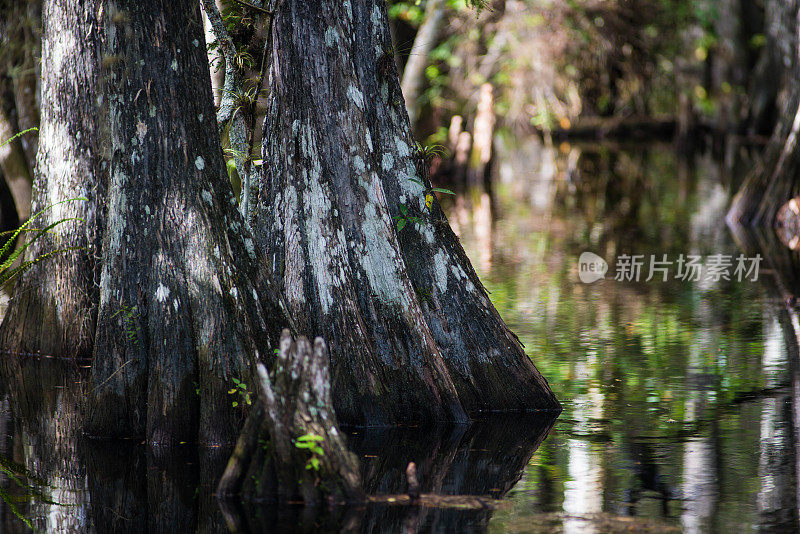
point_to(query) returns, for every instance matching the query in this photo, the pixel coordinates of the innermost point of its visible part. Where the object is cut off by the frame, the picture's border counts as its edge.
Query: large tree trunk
(412, 333)
(54, 307)
(774, 180)
(180, 316)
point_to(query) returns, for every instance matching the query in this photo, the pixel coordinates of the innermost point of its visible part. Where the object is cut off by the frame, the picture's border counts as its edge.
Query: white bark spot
(196, 43)
(440, 270)
(251, 248)
(293, 276)
(359, 164)
(207, 196)
(152, 111)
(376, 18)
(402, 147)
(368, 137)
(200, 163)
(175, 304)
(331, 36)
(388, 162)
(321, 249)
(162, 293)
(356, 96)
(174, 64)
(234, 292)
(200, 117)
(147, 209)
(380, 258)
(141, 131)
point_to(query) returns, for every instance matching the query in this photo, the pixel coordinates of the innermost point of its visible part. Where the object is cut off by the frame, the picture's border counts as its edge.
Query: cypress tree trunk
(54, 307)
(774, 180)
(361, 260)
(180, 316)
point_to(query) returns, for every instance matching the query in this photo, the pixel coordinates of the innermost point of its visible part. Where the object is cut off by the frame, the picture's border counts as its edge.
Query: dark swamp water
(681, 398)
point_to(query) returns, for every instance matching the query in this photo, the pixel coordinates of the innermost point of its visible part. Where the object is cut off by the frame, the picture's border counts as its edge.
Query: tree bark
(774, 180)
(272, 460)
(180, 313)
(54, 305)
(413, 335)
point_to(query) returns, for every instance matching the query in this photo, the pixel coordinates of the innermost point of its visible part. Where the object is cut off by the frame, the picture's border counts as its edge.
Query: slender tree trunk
(14, 164)
(20, 56)
(425, 41)
(54, 305)
(180, 316)
(412, 333)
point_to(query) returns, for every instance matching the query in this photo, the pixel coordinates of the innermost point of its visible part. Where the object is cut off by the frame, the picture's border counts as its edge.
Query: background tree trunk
(774, 179)
(410, 328)
(425, 41)
(180, 316)
(54, 306)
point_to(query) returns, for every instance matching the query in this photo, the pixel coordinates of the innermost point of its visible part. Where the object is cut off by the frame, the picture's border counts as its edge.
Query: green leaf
(310, 437)
(440, 190)
(401, 224)
(4, 143)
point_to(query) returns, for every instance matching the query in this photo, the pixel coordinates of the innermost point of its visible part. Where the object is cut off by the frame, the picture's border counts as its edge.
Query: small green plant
(129, 315)
(311, 442)
(404, 218)
(23, 132)
(245, 100)
(427, 152)
(240, 392)
(7, 270)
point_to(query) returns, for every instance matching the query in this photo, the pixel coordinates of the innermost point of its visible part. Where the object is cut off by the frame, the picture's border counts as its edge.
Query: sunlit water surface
(679, 397)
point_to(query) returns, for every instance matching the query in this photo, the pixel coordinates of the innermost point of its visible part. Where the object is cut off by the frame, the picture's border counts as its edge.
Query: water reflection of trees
(670, 385)
(85, 485)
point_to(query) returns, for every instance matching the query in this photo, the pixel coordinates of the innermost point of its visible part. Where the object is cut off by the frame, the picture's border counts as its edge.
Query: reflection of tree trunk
(777, 497)
(47, 421)
(55, 302)
(425, 41)
(779, 458)
(412, 333)
(486, 458)
(176, 322)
